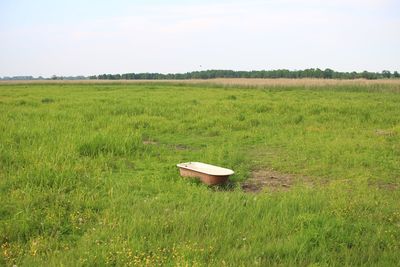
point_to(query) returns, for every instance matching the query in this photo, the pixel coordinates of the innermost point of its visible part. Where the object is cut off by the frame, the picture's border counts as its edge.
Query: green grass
(81, 185)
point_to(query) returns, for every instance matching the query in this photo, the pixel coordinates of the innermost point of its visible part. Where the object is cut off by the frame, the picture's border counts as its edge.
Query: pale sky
(74, 37)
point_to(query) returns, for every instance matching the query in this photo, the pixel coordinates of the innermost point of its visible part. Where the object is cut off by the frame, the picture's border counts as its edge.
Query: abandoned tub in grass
(208, 174)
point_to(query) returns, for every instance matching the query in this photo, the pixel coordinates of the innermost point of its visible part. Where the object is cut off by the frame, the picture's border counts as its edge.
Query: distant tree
(368, 75)
(328, 73)
(396, 74)
(386, 74)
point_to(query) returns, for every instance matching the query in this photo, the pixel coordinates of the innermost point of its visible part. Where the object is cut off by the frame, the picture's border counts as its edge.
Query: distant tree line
(31, 78)
(20, 78)
(283, 73)
(210, 74)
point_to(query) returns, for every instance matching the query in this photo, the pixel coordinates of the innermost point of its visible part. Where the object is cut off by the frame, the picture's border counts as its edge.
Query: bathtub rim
(184, 165)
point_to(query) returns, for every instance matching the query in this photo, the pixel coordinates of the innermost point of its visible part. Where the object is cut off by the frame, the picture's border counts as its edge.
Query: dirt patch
(129, 164)
(178, 147)
(391, 186)
(380, 132)
(272, 181)
(149, 142)
(181, 147)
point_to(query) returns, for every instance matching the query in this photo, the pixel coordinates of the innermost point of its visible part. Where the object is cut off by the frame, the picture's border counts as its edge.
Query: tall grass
(88, 176)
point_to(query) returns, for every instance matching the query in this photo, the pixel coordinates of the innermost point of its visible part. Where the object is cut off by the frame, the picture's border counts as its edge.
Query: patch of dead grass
(381, 132)
(226, 81)
(149, 142)
(390, 186)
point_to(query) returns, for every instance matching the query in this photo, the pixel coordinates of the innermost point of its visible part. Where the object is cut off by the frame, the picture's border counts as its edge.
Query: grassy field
(88, 175)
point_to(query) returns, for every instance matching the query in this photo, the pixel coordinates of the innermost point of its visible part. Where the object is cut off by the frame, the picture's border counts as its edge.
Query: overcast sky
(74, 37)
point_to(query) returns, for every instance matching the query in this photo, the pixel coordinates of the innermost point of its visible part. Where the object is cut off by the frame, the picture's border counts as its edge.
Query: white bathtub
(208, 174)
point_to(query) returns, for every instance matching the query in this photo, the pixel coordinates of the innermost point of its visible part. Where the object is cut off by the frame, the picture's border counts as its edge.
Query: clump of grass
(254, 122)
(263, 108)
(241, 117)
(298, 119)
(47, 100)
(109, 145)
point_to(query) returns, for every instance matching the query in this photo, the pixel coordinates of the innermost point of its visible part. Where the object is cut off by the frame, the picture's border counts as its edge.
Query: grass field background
(88, 175)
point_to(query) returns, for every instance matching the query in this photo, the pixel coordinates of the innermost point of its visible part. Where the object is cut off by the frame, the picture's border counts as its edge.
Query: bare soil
(385, 132)
(181, 147)
(271, 180)
(385, 185)
(149, 142)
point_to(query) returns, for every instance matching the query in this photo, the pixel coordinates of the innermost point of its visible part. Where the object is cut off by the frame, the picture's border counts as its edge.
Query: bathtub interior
(206, 168)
